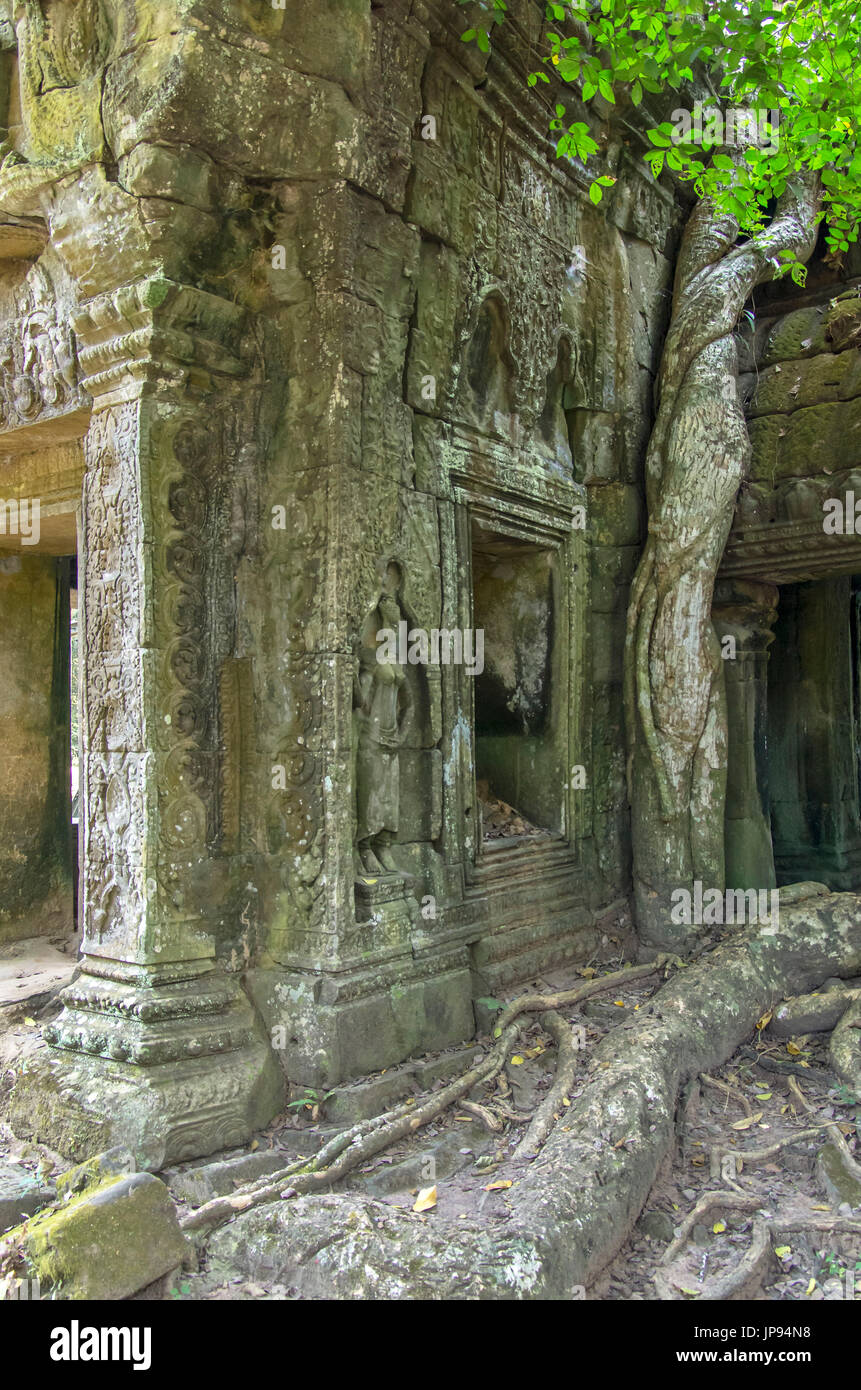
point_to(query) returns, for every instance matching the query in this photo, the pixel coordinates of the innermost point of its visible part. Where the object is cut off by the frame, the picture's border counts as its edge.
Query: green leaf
(490, 1003)
(605, 86)
(595, 192)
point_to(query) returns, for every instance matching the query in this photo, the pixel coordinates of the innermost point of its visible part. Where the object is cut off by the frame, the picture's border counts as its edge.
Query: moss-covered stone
(111, 1240)
(113, 1163)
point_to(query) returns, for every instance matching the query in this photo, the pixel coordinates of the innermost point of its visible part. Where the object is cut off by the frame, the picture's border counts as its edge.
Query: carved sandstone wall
(322, 355)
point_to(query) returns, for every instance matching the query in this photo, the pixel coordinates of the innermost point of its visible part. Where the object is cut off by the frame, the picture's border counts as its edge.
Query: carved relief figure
(38, 368)
(489, 369)
(62, 50)
(382, 702)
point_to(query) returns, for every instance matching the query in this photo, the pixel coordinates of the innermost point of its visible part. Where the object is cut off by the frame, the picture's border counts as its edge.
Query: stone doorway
(38, 859)
(515, 602)
(813, 722)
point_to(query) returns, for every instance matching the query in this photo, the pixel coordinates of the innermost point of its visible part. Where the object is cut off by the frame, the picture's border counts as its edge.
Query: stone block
(199, 1185)
(107, 1243)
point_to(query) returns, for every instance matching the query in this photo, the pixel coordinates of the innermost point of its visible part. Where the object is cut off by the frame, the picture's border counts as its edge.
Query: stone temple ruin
(306, 339)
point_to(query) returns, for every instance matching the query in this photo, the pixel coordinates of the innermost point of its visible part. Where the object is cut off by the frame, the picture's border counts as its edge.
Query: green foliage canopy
(795, 63)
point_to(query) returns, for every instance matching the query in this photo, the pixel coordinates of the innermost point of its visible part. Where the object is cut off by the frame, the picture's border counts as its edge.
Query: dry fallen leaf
(719, 1227)
(495, 1186)
(748, 1121)
(517, 1061)
(425, 1200)
(764, 1021)
(793, 1049)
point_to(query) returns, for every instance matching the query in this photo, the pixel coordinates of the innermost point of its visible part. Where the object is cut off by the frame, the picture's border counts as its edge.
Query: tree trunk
(698, 456)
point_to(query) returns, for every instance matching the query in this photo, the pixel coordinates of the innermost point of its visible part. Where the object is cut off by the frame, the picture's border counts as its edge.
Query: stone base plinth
(171, 1073)
(330, 1027)
(163, 1114)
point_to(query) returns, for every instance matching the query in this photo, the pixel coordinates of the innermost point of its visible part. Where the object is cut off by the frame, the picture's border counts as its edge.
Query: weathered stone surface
(35, 805)
(113, 1239)
(658, 1225)
(31, 973)
(570, 1212)
(113, 1163)
(21, 1195)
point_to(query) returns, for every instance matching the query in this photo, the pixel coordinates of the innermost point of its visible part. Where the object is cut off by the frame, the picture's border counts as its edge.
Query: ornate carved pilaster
(744, 613)
(172, 1056)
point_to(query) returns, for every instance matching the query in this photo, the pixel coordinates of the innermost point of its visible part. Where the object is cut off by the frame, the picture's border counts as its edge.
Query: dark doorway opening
(515, 595)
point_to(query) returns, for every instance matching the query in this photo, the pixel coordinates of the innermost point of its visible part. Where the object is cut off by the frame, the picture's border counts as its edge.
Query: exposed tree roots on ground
(344, 1153)
(672, 1279)
(574, 1206)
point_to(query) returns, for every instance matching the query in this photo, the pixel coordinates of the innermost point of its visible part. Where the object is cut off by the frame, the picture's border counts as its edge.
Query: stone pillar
(36, 859)
(158, 1046)
(744, 612)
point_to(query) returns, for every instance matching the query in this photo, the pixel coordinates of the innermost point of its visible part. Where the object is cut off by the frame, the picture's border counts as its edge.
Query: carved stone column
(744, 612)
(156, 1047)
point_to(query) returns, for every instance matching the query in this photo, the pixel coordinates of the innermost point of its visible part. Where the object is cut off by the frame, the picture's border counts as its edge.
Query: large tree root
(574, 1207)
(811, 1013)
(550, 1108)
(347, 1150)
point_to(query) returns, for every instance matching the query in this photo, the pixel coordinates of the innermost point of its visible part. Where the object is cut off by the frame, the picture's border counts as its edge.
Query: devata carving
(382, 702)
(38, 367)
(69, 39)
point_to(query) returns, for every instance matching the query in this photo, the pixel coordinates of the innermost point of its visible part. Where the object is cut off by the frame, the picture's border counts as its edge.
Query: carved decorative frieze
(779, 534)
